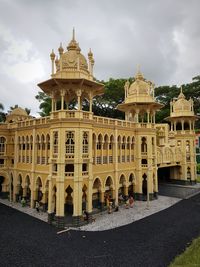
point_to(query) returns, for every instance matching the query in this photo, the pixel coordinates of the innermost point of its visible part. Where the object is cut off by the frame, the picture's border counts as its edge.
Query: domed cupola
(17, 114)
(181, 107)
(182, 115)
(139, 99)
(71, 63)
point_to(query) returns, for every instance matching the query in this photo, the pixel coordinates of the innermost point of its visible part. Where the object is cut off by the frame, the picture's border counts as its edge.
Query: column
(62, 93)
(79, 93)
(50, 211)
(182, 125)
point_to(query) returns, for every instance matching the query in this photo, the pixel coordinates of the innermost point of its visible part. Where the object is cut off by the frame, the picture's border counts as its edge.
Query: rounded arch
(96, 189)
(131, 183)
(97, 184)
(38, 182)
(69, 200)
(38, 186)
(108, 181)
(4, 182)
(132, 178)
(122, 179)
(144, 184)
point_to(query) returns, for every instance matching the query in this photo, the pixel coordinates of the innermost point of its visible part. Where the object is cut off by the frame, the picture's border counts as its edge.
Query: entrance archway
(109, 187)
(131, 187)
(39, 193)
(84, 197)
(122, 185)
(96, 193)
(69, 201)
(19, 194)
(144, 184)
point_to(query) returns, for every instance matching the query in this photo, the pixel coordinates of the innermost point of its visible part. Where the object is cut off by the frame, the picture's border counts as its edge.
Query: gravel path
(152, 241)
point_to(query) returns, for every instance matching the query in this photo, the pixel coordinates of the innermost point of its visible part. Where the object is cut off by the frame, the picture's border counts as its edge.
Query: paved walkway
(105, 221)
(151, 241)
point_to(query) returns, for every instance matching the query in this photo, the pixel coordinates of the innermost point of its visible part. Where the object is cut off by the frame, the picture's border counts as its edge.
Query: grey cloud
(122, 34)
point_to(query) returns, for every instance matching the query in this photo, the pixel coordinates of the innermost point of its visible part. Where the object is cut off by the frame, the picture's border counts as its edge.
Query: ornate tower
(71, 84)
(182, 120)
(140, 107)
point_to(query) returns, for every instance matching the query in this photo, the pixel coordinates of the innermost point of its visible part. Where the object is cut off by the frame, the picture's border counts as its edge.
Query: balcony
(69, 174)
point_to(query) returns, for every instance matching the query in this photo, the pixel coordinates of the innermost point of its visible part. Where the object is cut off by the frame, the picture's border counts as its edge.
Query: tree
(2, 114)
(105, 105)
(45, 104)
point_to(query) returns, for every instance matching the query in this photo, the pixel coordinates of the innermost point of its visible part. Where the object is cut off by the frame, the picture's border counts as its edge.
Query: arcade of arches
(73, 160)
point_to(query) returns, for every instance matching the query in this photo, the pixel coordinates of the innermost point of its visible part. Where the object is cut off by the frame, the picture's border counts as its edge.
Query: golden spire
(73, 44)
(52, 55)
(73, 34)
(60, 49)
(181, 95)
(138, 75)
(90, 54)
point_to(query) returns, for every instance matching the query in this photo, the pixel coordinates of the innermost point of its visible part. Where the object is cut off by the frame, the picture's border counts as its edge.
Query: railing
(69, 156)
(85, 173)
(69, 174)
(2, 165)
(144, 165)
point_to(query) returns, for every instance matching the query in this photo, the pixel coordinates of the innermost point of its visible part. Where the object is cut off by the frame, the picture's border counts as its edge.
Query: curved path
(152, 241)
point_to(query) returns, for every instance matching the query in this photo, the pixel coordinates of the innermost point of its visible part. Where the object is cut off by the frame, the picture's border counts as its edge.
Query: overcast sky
(162, 36)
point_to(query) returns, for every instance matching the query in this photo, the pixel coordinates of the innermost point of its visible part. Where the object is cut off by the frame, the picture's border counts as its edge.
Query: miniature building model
(71, 160)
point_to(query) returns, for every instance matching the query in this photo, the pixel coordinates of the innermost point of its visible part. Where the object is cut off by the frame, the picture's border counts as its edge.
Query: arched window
(55, 142)
(69, 144)
(2, 145)
(85, 142)
(144, 145)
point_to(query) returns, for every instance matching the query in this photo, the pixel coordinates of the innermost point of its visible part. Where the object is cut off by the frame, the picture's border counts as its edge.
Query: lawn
(191, 256)
(198, 178)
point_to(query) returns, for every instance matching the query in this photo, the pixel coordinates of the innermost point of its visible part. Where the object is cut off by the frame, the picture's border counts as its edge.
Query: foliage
(198, 168)
(105, 105)
(45, 104)
(2, 114)
(191, 256)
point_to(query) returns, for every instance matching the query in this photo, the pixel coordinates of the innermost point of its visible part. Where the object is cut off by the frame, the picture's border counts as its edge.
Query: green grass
(191, 256)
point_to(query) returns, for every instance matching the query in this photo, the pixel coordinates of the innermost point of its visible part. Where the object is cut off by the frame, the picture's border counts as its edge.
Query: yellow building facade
(72, 160)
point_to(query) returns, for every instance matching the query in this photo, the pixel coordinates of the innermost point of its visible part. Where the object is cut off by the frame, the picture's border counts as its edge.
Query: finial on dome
(90, 54)
(56, 61)
(73, 44)
(60, 49)
(73, 34)
(138, 73)
(52, 55)
(138, 68)
(181, 95)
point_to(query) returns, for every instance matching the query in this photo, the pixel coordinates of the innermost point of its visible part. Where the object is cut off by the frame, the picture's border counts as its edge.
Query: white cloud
(20, 59)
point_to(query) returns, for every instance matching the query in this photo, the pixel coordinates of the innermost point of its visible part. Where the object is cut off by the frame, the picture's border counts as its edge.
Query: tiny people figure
(110, 207)
(86, 215)
(131, 201)
(23, 202)
(116, 208)
(37, 205)
(127, 204)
